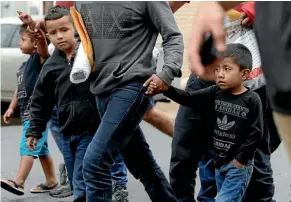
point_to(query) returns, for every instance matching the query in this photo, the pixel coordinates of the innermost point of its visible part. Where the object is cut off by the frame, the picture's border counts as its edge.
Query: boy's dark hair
(23, 28)
(57, 12)
(240, 54)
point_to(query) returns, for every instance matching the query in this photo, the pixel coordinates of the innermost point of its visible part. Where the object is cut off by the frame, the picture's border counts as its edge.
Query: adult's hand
(160, 85)
(210, 18)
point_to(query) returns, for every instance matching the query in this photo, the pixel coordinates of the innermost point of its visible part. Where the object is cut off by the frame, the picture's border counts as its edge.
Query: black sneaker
(62, 191)
(63, 174)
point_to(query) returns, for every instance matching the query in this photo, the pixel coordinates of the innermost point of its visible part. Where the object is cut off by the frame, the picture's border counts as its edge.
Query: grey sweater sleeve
(163, 19)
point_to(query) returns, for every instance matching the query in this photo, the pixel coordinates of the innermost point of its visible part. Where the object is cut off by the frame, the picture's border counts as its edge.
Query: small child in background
(27, 75)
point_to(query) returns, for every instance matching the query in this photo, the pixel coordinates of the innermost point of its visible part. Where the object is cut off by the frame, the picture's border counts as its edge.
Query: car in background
(11, 55)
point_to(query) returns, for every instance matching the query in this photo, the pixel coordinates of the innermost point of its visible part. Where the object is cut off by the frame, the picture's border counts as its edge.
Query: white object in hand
(81, 67)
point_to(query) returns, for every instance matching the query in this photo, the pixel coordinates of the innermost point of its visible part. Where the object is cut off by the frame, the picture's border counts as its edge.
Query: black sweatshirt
(237, 120)
(76, 106)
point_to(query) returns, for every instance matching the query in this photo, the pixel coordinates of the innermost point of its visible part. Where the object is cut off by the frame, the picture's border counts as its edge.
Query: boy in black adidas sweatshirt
(237, 120)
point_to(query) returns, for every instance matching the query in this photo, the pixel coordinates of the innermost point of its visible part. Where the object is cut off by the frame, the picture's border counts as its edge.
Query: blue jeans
(118, 170)
(232, 182)
(208, 188)
(121, 111)
(74, 149)
(119, 173)
(55, 130)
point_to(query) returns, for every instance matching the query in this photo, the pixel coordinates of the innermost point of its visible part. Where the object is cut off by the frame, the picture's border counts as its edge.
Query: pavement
(10, 136)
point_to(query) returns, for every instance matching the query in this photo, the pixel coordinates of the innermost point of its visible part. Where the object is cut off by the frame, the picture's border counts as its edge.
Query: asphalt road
(160, 145)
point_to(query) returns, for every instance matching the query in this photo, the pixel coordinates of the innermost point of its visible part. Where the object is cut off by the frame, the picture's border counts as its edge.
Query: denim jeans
(208, 188)
(55, 130)
(118, 170)
(119, 173)
(121, 112)
(74, 149)
(232, 182)
(191, 141)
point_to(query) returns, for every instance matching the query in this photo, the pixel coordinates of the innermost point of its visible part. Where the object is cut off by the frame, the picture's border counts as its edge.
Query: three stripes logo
(223, 124)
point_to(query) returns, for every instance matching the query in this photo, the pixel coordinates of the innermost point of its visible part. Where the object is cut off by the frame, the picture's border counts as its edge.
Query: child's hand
(25, 18)
(237, 164)
(151, 88)
(8, 114)
(40, 35)
(155, 85)
(31, 143)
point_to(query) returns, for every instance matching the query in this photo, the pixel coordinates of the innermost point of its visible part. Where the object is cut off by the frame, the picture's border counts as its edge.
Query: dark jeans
(55, 130)
(208, 188)
(122, 110)
(261, 187)
(118, 170)
(191, 141)
(232, 182)
(74, 149)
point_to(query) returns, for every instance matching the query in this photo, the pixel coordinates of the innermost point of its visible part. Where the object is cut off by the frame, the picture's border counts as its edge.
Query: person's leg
(121, 111)
(55, 130)
(119, 176)
(208, 190)
(142, 165)
(160, 120)
(79, 145)
(261, 187)
(190, 143)
(69, 158)
(235, 183)
(47, 165)
(27, 159)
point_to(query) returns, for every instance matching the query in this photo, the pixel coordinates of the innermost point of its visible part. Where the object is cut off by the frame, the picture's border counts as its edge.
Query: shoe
(12, 186)
(120, 195)
(62, 191)
(63, 174)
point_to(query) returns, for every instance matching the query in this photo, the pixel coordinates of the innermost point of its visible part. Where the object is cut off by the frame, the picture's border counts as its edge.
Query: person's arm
(42, 48)
(42, 104)
(14, 101)
(247, 150)
(163, 19)
(10, 111)
(209, 19)
(191, 99)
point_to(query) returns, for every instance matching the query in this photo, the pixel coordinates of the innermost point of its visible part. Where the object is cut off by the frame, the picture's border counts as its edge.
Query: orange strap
(80, 27)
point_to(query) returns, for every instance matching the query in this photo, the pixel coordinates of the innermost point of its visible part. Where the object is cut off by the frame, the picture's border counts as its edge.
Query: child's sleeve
(247, 150)
(42, 104)
(192, 99)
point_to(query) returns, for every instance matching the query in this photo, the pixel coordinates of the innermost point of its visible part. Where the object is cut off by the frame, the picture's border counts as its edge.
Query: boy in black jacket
(76, 109)
(237, 120)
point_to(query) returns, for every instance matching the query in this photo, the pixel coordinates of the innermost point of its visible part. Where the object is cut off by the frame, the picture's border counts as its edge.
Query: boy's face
(229, 75)
(61, 33)
(27, 44)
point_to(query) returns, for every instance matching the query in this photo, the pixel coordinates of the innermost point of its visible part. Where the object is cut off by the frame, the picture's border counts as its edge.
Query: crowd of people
(223, 128)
